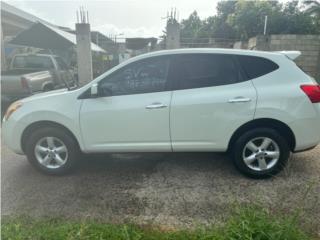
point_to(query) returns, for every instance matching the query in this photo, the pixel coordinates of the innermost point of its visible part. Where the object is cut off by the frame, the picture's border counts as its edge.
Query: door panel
(212, 102)
(204, 120)
(124, 123)
(136, 116)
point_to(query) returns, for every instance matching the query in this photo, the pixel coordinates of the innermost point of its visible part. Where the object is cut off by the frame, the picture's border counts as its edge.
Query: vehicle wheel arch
(42, 124)
(47, 86)
(277, 125)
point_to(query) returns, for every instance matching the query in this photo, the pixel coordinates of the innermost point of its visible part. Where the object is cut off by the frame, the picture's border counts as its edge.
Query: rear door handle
(239, 100)
(156, 106)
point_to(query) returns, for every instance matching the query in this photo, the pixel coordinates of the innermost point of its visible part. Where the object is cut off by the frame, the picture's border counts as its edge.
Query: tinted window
(32, 62)
(141, 77)
(206, 70)
(256, 66)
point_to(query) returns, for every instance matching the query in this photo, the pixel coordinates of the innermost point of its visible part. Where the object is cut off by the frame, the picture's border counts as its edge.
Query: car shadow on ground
(144, 163)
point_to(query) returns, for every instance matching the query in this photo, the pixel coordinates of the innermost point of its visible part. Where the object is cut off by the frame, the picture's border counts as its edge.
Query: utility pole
(84, 55)
(173, 31)
(265, 25)
(3, 56)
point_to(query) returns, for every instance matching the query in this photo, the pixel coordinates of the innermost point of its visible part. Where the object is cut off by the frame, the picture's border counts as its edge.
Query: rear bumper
(305, 150)
(307, 131)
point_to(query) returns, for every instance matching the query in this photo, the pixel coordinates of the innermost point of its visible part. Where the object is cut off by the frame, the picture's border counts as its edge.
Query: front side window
(206, 70)
(144, 76)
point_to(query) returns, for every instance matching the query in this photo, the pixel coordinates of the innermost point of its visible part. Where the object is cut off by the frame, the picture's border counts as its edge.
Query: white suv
(258, 106)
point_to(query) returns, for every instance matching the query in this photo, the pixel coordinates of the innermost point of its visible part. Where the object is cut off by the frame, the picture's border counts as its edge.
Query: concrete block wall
(309, 45)
(208, 43)
(240, 45)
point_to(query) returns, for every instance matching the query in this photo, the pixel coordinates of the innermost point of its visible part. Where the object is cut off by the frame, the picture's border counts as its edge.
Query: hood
(45, 95)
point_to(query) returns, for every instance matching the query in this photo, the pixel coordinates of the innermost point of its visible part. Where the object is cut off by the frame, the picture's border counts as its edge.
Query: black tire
(239, 148)
(57, 133)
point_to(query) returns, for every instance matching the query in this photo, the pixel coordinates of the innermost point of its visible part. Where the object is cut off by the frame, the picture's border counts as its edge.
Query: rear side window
(39, 62)
(205, 70)
(256, 66)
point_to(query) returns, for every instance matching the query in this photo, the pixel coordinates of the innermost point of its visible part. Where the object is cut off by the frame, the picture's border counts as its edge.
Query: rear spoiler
(291, 54)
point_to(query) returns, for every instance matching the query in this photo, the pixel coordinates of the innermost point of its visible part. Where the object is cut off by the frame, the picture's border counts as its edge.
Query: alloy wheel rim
(51, 152)
(261, 154)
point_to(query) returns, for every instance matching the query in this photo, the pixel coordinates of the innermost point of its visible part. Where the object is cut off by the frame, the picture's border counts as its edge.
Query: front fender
(71, 123)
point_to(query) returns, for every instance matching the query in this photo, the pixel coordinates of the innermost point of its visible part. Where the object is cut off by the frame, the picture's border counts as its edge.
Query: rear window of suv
(38, 62)
(256, 66)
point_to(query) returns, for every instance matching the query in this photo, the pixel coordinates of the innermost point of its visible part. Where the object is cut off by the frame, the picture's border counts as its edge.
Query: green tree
(248, 17)
(242, 19)
(192, 27)
(296, 21)
(313, 7)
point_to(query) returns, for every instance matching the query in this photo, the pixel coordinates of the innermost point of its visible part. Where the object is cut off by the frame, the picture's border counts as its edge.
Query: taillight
(25, 84)
(313, 92)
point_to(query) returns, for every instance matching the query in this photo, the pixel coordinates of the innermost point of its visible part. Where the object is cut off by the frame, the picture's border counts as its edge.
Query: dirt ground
(171, 190)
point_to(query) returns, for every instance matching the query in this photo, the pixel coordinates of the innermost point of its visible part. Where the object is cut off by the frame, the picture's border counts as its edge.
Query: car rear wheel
(261, 153)
(52, 151)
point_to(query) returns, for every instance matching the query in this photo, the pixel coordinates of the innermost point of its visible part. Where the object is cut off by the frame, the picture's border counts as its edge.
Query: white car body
(200, 119)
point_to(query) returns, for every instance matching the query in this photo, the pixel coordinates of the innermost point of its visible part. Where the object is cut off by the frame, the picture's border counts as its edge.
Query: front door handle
(156, 106)
(239, 100)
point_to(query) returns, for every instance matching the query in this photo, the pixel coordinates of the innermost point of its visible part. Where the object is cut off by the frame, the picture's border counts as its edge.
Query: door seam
(170, 104)
(256, 103)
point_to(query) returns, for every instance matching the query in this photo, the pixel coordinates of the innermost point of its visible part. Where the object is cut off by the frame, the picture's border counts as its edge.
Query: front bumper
(11, 135)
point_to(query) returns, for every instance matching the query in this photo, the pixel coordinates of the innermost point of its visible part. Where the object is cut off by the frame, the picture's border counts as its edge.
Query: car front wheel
(52, 151)
(261, 153)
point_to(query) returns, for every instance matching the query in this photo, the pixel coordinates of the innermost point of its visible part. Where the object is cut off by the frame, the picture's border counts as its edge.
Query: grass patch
(246, 223)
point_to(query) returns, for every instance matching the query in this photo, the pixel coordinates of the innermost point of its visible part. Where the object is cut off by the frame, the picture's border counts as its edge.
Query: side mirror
(97, 91)
(94, 90)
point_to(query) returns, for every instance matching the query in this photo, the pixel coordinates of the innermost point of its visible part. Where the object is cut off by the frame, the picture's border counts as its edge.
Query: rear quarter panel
(39, 80)
(11, 85)
(280, 97)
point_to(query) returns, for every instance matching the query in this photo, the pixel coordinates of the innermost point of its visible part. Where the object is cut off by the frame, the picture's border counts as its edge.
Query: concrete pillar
(3, 56)
(84, 55)
(173, 34)
(263, 43)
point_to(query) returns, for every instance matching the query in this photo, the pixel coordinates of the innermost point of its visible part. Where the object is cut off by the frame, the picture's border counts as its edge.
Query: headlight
(11, 109)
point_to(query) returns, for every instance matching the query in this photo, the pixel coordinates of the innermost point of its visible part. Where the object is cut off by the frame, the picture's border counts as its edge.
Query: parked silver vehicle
(32, 73)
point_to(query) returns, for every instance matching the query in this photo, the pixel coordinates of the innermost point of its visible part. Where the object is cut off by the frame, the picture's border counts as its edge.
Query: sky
(132, 18)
